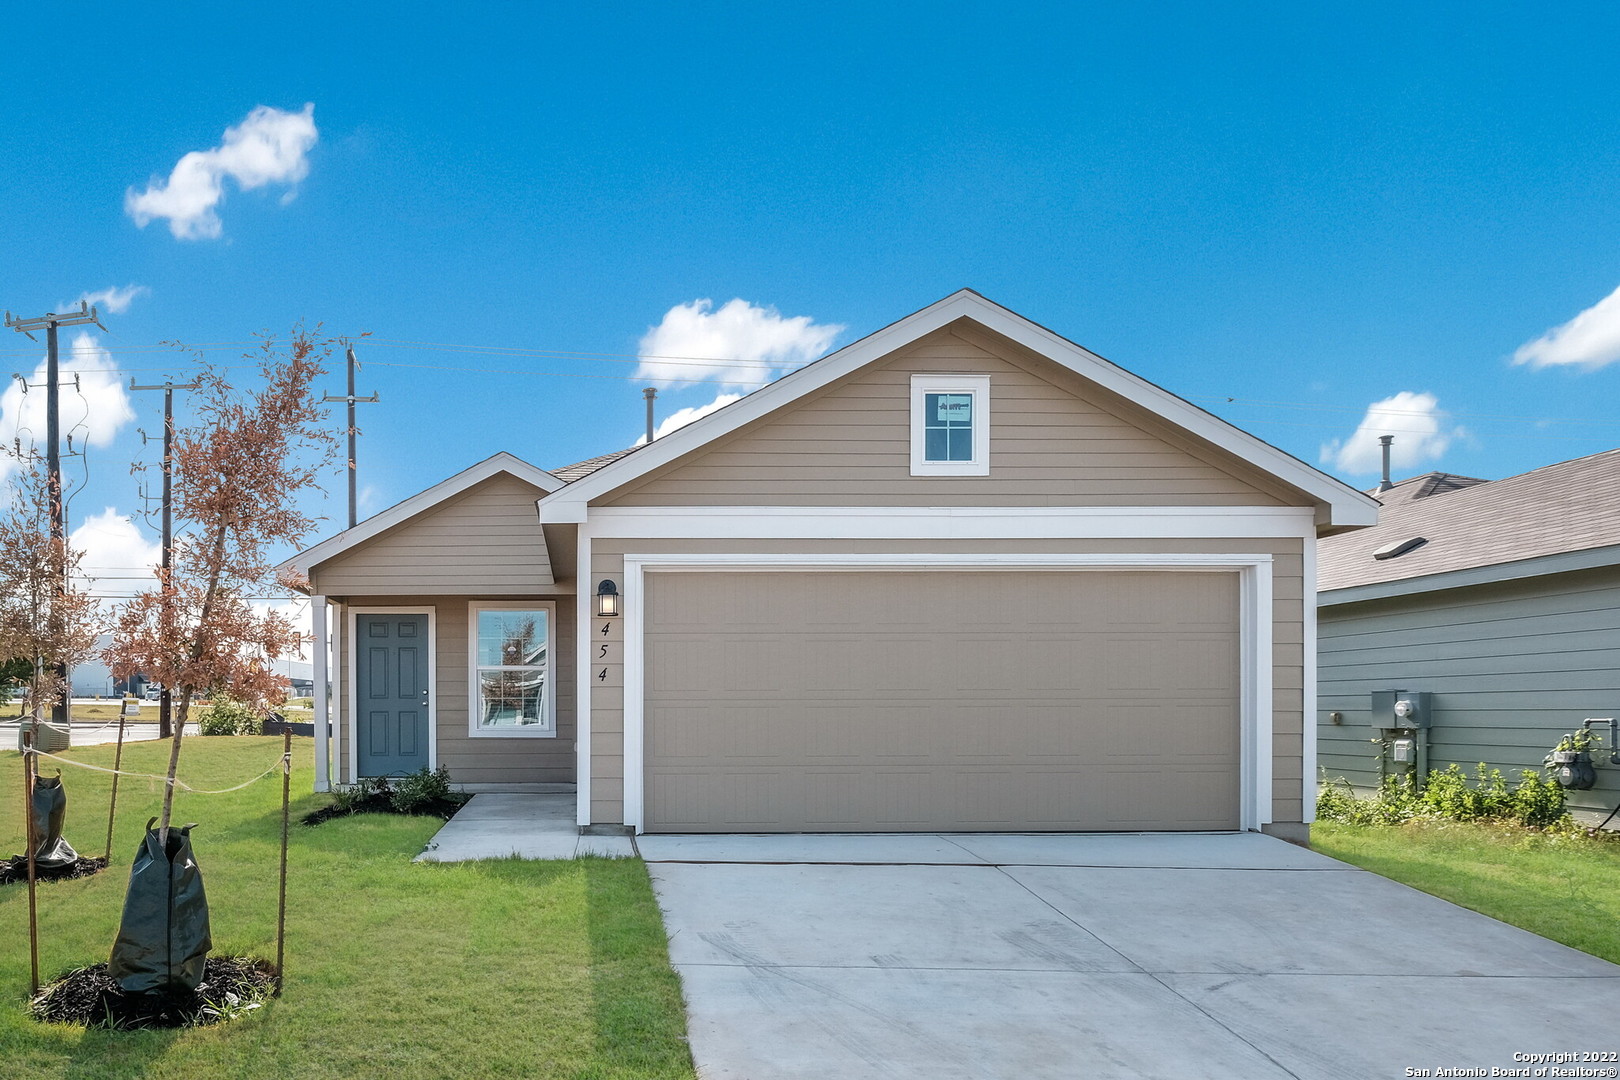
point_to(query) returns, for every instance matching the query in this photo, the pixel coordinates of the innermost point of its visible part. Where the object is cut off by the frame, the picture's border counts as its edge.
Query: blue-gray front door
(392, 688)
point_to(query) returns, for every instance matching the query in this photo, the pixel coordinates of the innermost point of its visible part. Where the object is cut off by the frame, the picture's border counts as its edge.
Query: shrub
(357, 796)
(228, 717)
(1539, 801)
(417, 791)
(1536, 802)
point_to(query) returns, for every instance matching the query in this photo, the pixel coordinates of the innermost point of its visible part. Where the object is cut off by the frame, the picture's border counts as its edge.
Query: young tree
(47, 621)
(239, 472)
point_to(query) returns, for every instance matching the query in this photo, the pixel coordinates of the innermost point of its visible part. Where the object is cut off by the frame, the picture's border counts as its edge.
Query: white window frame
(976, 386)
(546, 730)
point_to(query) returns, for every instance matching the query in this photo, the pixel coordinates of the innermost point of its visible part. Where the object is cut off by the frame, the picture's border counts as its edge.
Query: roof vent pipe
(652, 392)
(1383, 485)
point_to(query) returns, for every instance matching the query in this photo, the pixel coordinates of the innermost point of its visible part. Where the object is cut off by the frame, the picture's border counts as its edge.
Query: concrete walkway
(495, 826)
(1176, 956)
(91, 732)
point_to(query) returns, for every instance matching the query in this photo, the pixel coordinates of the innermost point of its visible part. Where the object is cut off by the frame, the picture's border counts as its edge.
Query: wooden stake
(112, 806)
(286, 801)
(29, 770)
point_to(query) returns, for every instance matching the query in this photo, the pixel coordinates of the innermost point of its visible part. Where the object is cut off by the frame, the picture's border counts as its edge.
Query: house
(1500, 600)
(959, 575)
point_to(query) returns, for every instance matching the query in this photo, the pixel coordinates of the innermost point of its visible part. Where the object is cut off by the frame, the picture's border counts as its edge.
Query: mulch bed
(381, 804)
(15, 869)
(231, 986)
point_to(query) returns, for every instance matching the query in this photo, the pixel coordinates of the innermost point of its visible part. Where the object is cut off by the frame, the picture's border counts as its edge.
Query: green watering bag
(48, 808)
(163, 939)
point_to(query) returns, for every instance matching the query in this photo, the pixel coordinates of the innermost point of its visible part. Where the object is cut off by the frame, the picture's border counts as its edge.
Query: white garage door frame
(1254, 635)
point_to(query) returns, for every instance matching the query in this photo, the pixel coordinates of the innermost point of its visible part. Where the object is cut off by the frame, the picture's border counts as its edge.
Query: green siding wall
(1511, 667)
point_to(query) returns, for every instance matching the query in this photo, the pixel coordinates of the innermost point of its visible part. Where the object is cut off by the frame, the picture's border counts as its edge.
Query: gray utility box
(1400, 710)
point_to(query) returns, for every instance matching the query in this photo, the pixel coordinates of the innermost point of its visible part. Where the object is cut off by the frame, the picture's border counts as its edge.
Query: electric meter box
(1400, 710)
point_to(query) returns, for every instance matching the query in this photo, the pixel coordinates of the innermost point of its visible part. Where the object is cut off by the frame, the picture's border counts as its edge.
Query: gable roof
(1340, 504)
(1557, 510)
(441, 492)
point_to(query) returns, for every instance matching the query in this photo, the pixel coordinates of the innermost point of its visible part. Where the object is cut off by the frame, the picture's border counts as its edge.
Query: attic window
(950, 425)
(1398, 548)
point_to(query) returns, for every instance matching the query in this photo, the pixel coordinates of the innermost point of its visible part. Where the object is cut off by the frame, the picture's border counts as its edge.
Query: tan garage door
(941, 700)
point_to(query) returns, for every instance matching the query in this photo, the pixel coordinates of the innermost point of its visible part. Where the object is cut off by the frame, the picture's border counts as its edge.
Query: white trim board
(503, 462)
(1255, 637)
(584, 610)
(323, 708)
(959, 522)
(351, 673)
(1343, 505)
(1308, 703)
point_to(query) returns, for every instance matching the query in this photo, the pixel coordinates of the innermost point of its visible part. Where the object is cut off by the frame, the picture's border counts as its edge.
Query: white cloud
(681, 417)
(1591, 339)
(681, 349)
(270, 146)
(92, 412)
(1418, 424)
(114, 300)
(117, 557)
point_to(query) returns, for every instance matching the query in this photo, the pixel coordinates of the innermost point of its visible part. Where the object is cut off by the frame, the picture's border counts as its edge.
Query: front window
(950, 425)
(512, 691)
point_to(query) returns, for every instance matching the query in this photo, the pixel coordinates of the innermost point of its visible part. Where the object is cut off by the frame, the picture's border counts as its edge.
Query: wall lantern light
(607, 599)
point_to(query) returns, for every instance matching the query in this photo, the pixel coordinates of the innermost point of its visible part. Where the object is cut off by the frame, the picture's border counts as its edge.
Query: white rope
(284, 762)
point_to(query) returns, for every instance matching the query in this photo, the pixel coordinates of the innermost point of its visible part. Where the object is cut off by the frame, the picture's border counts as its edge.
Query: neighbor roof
(1338, 503)
(1569, 507)
(581, 469)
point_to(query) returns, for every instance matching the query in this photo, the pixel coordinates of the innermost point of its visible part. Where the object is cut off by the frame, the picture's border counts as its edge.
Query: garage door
(941, 700)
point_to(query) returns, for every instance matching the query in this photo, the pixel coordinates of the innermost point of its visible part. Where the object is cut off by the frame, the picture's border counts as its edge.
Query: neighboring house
(1507, 614)
(959, 575)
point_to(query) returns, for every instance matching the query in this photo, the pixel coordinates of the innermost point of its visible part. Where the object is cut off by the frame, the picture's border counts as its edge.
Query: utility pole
(353, 431)
(53, 435)
(165, 703)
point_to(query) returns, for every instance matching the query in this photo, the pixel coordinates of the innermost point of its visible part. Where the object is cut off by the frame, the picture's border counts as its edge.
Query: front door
(392, 687)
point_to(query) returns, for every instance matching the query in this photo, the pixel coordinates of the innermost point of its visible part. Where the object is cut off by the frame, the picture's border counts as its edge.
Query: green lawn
(504, 968)
(1565, 888)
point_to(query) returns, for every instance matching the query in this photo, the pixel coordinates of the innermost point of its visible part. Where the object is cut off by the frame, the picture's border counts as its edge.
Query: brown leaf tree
(46, 617)
(239, 471)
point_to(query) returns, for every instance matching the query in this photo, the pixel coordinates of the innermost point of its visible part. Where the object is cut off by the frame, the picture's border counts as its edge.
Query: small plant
(356, 797)
(1536, 802)
(419, 790)
(227, 716)
(1539, 802)
(1570, 761)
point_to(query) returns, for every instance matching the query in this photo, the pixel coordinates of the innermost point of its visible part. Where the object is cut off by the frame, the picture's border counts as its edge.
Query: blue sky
(1286, 213)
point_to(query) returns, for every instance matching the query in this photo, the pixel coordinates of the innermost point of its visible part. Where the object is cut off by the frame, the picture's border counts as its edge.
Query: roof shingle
(1571, 506)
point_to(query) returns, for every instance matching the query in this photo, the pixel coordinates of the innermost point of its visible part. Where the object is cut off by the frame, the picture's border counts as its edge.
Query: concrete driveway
(1177, 956)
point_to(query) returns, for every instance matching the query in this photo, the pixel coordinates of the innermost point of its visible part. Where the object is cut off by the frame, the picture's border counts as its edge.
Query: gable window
(512, 690)
(950, 425)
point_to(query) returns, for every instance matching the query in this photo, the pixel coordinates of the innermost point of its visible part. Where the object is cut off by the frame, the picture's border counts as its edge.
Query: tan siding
(487, 541)
(471, 760)
(606, 701)
(1055, 440)
(607, 560)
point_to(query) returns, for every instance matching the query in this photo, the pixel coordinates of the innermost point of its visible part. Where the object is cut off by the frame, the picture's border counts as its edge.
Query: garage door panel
(941, 701)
